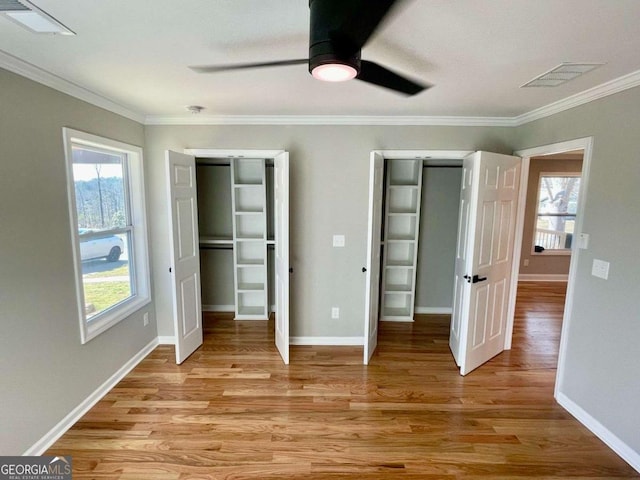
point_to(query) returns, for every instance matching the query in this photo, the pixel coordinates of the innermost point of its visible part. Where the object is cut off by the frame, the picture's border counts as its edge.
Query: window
(556, 212)
(107, 209)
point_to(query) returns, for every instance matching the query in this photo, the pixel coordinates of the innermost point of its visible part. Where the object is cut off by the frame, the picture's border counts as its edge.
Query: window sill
(108, 319)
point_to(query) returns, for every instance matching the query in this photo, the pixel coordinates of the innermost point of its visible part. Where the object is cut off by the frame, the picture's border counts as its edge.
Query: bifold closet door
(185, 253)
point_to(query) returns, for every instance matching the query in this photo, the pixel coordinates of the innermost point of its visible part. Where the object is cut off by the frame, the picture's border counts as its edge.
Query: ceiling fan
(338, 31)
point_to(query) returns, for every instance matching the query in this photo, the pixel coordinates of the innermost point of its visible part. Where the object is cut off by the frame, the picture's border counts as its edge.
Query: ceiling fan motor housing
(327, 18)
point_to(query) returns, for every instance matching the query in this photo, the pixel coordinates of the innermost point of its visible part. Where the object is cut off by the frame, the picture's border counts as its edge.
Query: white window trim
(140, 262)
(545, 253)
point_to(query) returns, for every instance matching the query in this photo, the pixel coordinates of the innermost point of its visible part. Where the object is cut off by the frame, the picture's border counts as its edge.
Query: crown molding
(326, 120)
(37, 74)
(616, 85)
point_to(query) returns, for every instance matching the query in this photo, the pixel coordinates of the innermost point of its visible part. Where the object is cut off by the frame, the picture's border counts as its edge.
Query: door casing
(585, 144)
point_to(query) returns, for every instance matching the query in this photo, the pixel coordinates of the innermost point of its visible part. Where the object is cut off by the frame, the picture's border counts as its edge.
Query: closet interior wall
(215, 223)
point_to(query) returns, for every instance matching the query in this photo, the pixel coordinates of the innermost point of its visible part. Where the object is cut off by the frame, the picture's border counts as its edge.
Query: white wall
(602, 362)
(46, 372)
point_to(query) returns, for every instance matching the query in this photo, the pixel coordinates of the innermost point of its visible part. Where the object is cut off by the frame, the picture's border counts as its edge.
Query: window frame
(134, 192)
(558, 251)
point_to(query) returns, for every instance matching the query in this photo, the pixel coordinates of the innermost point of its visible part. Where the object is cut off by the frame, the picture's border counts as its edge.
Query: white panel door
(372, 292)
(488, 253)
(185, 254)
(460, 290)
(281, 197)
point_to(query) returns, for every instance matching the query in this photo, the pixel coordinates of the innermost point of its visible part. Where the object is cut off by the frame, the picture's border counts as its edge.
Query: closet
(421, 200)
(235, 220)
(414, 199)
(229, 213)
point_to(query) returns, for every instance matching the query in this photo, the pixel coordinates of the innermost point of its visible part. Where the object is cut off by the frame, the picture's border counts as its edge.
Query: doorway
(405, 258)
(579, 239)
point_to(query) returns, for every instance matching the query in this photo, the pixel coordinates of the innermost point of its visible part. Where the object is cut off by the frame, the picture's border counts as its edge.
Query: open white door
(281, 197)
(490, 184)
(185, 254)
(372, 292)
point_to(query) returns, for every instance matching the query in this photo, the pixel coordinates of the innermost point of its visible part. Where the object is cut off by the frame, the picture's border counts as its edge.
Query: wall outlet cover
(338, 241)
(335, 312)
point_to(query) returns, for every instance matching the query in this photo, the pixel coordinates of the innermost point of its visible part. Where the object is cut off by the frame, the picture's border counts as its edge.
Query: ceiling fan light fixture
(334, 72)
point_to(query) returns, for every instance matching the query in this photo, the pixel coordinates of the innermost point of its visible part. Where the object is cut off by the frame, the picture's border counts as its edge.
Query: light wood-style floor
(234, 411)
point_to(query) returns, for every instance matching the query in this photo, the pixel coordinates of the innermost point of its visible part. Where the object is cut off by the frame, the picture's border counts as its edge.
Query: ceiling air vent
(27, 15)
(12, 6)
(561, 74)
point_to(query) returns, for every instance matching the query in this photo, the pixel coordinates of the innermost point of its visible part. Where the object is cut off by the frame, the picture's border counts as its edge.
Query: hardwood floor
(234, 411)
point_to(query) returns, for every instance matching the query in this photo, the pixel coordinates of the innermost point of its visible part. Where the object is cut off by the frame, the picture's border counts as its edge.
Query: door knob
(477, 279)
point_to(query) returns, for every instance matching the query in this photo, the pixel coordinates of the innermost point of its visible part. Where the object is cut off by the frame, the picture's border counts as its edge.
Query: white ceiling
(476, 52)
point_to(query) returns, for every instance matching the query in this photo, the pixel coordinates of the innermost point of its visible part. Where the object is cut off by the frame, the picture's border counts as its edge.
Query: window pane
(554, 232)
(99, 182)
(99, 187)
(106, 278)
(558, 194)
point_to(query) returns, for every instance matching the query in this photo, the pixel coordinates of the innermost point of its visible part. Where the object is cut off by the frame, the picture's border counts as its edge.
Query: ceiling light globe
(334, 72)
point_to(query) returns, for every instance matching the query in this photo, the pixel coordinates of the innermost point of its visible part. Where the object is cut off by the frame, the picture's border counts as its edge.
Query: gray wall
(46, 372)
(438, 235)
(602, 356)
(541, 264)
(329, 192)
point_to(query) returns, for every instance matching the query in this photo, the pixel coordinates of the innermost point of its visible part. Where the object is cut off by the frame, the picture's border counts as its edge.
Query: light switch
(583, 241)
(338, 240)
(600, 269)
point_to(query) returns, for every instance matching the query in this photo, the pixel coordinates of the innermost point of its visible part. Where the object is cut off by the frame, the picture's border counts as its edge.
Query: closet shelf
(399, 213)
(216, 241)
(250, 287)
(400, 264)
(398, 289)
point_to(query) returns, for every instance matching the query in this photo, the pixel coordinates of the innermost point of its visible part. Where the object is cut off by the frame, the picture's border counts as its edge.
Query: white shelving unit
(249, 205)
(401, 229)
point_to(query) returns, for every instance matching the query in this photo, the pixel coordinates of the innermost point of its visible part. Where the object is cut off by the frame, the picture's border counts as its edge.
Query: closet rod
(205, 246)
(223, 164)
(441, 166)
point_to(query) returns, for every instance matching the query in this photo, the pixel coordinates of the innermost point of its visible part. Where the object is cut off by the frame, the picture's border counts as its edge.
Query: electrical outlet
(145, 319)
(526, 262)
(338, 241)
(335, 312)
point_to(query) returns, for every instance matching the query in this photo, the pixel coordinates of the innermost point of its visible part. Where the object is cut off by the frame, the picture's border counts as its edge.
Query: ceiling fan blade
(363, 18)
(243, 66)
(375, 74)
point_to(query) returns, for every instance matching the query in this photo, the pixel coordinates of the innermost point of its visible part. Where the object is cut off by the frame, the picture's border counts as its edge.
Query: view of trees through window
(557, 208)
(103, 227)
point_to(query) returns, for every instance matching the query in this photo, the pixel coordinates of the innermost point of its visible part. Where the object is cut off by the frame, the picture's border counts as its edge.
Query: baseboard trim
(603, 433)
(433, 310)
(523, 277)
(166, 340)
(74, 415)
(225, 308)
(336, 341)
